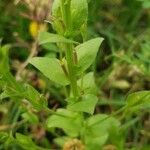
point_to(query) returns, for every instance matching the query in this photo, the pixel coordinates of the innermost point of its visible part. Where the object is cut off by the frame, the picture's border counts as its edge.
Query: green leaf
(103, 122)
(56, 8)
(79, 13)
(138, 101)
(6, 139)
(86, 53)
(67, 120)
(146, 4)
(17, 91)
(87, 84)
(45, 37)
(86, 104)
(57, 15)
(97, 130)
(61, 140)
(10, 87)
(30, 117)
(25, 142)
(37, 100)
(95, 143)
(117, 137)
(50, 47)
(4, 61)
(3, 137)
(51, 68)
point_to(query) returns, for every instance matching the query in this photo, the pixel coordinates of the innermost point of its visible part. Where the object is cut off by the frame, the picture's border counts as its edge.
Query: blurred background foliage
(122, 65)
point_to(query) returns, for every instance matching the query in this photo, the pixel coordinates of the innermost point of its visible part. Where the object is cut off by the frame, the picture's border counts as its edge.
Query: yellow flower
(35, 28)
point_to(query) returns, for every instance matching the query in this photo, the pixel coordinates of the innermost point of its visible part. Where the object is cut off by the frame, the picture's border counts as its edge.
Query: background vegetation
(122, 67)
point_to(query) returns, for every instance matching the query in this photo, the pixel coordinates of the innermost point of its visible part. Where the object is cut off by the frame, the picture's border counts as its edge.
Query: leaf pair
(94, 129)
(51, 67)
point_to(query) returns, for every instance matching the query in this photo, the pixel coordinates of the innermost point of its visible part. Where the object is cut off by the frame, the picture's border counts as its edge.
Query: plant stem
(72, 73)
(66, 15)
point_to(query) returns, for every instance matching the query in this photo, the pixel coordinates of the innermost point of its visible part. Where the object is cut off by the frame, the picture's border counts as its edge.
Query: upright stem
(66, 15)
(72, 73)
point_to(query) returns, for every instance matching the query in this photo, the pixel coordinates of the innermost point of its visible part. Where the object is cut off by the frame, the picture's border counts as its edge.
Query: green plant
(145, 3)
(80, 128)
